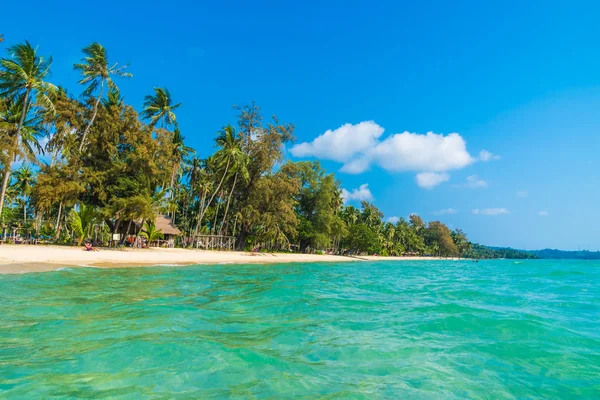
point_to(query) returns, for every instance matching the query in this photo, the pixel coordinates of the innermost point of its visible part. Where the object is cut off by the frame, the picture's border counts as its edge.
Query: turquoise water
(444, 329)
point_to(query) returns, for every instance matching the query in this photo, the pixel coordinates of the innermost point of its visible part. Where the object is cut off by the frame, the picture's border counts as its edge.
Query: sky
(483, 115)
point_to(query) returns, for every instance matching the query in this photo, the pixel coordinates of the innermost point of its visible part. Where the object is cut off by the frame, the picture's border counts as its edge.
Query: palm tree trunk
(126, 232)
(216, 190)
(5, 180)
(214, 227)
(58, 221)
(14, 149)
(228, 201)
(200, 208)
(25, 213)
(89, 125)
(138, 233)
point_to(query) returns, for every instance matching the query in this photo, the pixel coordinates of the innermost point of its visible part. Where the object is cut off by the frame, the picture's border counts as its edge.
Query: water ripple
(446, 329)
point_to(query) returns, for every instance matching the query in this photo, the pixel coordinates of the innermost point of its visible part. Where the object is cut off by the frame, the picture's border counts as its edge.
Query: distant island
(484, 252)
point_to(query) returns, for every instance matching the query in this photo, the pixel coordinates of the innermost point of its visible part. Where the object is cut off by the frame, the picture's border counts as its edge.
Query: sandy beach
(39, 258)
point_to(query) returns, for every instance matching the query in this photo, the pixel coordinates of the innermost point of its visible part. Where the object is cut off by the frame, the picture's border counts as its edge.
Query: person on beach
(88, 247)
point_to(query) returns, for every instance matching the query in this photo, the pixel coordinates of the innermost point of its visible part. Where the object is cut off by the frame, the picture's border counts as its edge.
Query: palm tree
(180, 153)
(150, 232)
(160, 107)
(97, 73)
(82, 221)
(113, 98)
(22, 77)
(222, 158)
(351, 215)
(232, 145)
(23, 185)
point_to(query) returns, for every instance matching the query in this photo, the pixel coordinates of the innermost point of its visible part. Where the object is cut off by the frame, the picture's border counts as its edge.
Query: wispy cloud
(491, 211)
(445, 211)
(393, 219)
(486, 156)
(543, 213)
(522, 193)
(361, 193)
(429, 180)
(473, 182)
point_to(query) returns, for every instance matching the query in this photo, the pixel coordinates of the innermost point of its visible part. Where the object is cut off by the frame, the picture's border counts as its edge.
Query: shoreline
(21, 258)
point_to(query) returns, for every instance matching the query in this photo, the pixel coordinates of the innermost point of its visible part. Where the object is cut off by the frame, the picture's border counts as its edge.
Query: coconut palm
(24, 181)
(150, 233)
(180, 153)
(160, 107)
(113, 98)
(22, 81)
(82, 221)
(226, 140)
(351, 215)
(97, 73)
(239, 166)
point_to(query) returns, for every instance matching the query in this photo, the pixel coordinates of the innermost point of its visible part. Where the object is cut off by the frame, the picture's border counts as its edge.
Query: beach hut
(168, 229)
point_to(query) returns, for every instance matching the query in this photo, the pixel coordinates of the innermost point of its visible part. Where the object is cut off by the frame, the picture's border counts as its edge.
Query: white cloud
(473, 182)
(491, 211)
(393, 220)
(356, 166)
(445, 211)
(429, 180)
(414, 152)
(486, 156)
(522, 193)
(359, 194)
(361, 146)
(543, 213)
(342, 143)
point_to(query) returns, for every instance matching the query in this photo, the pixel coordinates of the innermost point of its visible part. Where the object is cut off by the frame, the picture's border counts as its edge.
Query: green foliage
(478, 251)
(150, 232)
(316, 204)
(362, 239)
(160, 107)
(81, 222)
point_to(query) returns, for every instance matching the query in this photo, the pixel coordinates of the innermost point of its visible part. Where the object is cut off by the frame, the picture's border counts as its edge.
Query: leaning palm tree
(160, 107)
(22, 78)
(239, 168)
(226, 140)
(97, 73)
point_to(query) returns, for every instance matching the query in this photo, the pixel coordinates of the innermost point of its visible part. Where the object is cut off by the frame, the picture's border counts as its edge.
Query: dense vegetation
(483, 252)
(566, 255)
(107, 168)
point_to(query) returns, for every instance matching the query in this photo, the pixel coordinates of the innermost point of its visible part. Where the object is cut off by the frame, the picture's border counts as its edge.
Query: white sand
(38, 258)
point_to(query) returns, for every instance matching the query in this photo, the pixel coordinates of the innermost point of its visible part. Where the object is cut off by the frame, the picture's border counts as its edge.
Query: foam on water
(423, 329)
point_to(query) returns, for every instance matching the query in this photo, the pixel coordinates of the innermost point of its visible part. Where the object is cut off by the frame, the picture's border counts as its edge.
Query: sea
(496, 329)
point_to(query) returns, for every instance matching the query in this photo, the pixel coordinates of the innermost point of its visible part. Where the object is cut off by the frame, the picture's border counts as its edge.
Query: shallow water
(442, 329)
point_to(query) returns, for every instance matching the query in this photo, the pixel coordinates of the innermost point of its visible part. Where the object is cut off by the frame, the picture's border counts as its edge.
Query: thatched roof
(166, 226)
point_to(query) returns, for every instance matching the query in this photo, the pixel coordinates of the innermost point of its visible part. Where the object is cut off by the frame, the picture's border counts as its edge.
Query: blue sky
(520, 80)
